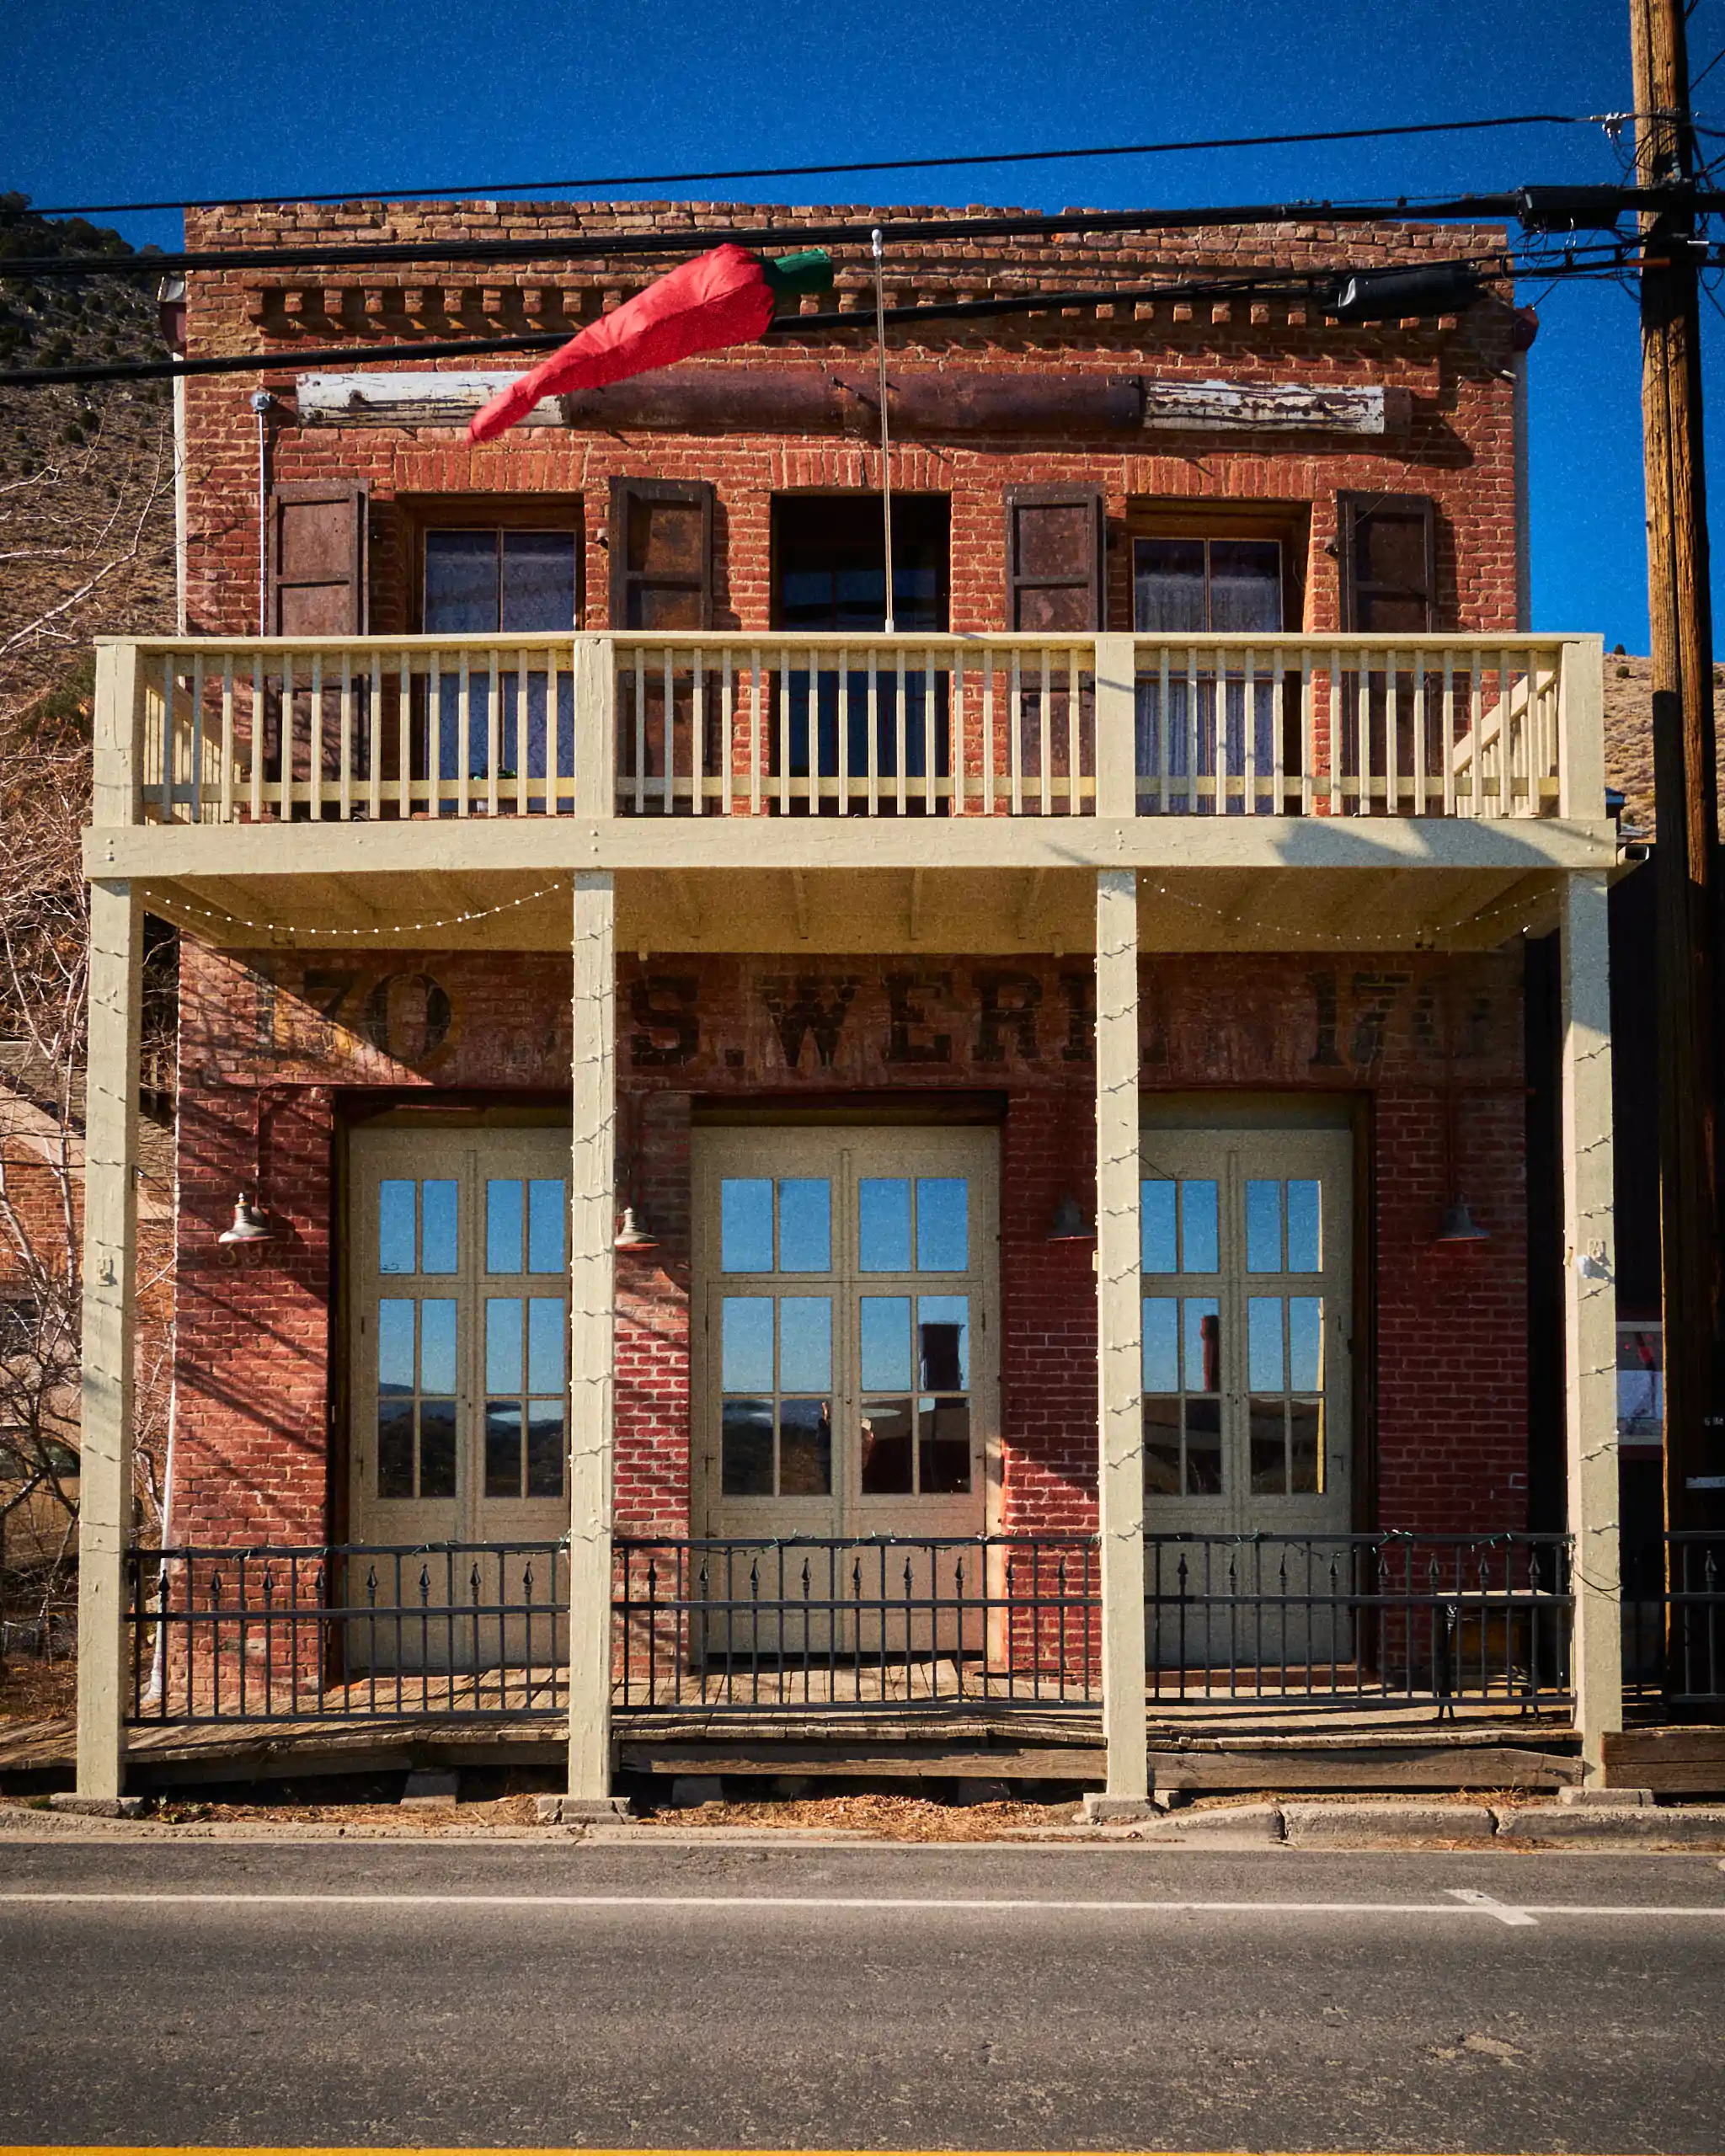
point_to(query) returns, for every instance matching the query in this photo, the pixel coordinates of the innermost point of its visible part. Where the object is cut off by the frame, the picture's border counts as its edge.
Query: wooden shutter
(661, 554)
(1053, 557)
(317, 559)
(1389, 563)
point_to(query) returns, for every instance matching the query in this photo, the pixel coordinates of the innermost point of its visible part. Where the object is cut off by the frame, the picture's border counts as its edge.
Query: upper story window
(1197, 585)
(488, 580)
(829, 563)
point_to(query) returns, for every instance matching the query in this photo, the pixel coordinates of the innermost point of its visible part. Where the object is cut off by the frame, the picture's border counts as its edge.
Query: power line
(1321, 286)
(490, 188)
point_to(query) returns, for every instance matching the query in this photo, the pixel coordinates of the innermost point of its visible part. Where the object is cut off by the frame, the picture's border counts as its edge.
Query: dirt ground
(34, 1691)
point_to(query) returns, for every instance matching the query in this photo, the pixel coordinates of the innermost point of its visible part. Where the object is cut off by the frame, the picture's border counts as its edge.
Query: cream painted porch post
(1590, 1315)
(593, 1228)
(1120, 1321)
(109, 1279)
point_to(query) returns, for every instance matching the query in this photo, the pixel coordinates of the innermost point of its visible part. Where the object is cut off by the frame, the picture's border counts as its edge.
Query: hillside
(86, 474)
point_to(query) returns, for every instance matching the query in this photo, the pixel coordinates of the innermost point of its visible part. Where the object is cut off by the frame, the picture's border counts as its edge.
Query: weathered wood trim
(733, 398)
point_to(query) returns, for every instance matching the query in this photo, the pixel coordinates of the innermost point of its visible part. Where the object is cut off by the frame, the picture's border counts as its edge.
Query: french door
(458, 1362)
(845, 1384)
(1248, 1286)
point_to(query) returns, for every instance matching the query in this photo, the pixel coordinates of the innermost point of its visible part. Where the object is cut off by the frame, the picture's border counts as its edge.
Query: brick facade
(276, 1051)
(280, 1050)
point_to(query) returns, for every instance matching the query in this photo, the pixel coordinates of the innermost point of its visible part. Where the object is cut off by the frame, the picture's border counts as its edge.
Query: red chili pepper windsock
(725, 297)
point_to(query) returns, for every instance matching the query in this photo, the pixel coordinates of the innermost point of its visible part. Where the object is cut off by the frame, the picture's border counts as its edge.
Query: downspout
(1525, 328)
(261, 401)
(171, 318)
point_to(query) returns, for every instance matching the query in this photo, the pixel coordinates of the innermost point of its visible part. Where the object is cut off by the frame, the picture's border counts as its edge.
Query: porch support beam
(1119, 1327)
(1590, 1299)
(109, 1281)
(592, 1230)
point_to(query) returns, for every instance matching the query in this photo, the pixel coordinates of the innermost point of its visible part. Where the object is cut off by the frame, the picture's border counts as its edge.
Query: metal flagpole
(886, 484)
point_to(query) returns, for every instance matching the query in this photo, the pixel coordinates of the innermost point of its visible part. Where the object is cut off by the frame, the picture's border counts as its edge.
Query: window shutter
(1053, 557)
(317, 559)
(661, 554)
(1389, 563)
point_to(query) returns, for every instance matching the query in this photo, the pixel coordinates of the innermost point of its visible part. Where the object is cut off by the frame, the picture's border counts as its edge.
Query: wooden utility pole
(1684, 777)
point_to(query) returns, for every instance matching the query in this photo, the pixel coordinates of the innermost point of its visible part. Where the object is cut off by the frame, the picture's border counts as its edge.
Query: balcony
(957, 760)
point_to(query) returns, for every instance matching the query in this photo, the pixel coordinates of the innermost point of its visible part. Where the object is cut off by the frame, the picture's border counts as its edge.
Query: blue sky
(107, 100)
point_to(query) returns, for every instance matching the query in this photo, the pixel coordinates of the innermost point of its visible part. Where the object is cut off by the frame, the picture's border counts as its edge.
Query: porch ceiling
(1404, 906)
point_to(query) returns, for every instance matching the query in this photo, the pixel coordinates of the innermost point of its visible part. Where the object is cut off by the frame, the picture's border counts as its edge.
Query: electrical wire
(488, 189)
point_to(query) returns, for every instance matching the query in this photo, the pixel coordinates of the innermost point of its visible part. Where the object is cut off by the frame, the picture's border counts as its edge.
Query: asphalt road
(843, 1999)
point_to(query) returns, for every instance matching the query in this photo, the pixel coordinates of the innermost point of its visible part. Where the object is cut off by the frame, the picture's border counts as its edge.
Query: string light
(389, 928)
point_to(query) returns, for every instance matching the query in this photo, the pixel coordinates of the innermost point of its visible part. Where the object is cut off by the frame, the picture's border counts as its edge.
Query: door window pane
(1305, 1342)
(460, 583)
(1263, 1227)
(1305, 1236)
(884, 1224)
(1161, 1344)
(806, 1343)
(545, 1449)
(943, 1224)
(1158, 1202)
(1304, 1447)
(805, 1448)
(437, 1340)
(1168, 585)
(1245, 584)
(436, 1449)
(886, 1343)
(395, 1448)
(886, 1462)
(538, 581)
(1264, 1343)
(1161, 1445)
(745, 1448)
(1197, 1226)
(1204, 1448)
(745, 1224)
(943, 1342)
(503, 1224)
(437, 1226)
(503, 1448)
(1269, 1463)
(746, 1352)
(1204, 1345)
(943, 1447)
(395, 1224)
(805, 1225)
(548, 1224)
(503, 1343)
(395, 1346)
(548, 1330)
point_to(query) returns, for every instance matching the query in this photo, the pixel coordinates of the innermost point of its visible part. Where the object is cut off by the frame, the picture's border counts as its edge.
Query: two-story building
(733, 1163)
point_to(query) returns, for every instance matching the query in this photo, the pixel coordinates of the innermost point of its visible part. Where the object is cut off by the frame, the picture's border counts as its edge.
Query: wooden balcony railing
(220, 731)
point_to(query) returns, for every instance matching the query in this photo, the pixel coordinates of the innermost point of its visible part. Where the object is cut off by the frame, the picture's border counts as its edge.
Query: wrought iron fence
(1385, 1615)
(339, 1631)
(815, 1622)
(1674, 1620)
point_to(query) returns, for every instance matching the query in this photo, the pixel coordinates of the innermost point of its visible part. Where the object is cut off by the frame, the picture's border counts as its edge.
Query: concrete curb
(1372, 1826)
(1688, 1826)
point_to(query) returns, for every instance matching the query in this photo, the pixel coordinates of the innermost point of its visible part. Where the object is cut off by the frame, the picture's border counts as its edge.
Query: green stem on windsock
(789, 276)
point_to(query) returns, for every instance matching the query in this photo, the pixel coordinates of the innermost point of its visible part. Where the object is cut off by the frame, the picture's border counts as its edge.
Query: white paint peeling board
(1284, 408)
(408, 400)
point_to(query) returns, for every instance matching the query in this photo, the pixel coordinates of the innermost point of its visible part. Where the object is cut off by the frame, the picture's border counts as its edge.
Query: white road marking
(1467, 1902)
(1477, 1898)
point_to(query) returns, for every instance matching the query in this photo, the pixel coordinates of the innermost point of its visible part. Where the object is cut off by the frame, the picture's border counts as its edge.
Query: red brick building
(1097, 1004)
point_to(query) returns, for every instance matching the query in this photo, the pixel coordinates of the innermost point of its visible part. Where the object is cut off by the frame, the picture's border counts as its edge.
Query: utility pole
(1684, 777)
